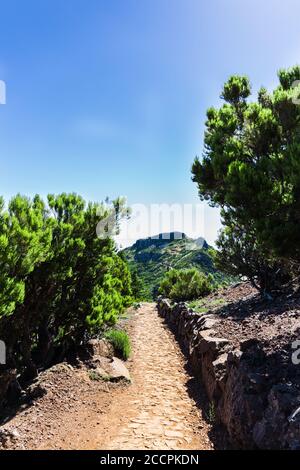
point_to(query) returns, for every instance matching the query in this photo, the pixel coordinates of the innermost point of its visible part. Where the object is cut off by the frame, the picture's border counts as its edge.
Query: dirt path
(155, 412)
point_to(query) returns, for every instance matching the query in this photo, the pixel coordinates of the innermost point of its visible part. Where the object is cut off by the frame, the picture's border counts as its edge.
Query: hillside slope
(152, 257)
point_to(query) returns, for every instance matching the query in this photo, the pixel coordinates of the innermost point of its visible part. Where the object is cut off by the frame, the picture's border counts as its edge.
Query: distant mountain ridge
(152, 257)
(165, 238)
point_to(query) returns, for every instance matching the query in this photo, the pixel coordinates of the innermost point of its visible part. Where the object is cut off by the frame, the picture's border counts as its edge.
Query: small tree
(240, 255)
(189, 284)
(136, 285)
(251, 168)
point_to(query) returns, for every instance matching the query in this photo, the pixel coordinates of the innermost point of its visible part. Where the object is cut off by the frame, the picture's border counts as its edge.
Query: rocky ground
(266, 328)
(72, 408)
(245, 315)
(67, 408)
(246, 351)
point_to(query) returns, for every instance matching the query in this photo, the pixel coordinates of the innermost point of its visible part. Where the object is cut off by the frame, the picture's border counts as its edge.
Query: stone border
(254, 410)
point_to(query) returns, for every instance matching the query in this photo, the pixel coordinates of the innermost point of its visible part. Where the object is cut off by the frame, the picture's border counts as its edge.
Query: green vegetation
(185, 284)
(203, 305)
(152, 258)
(59, 282)
(251, 169)
(121, 342)
(136, 285)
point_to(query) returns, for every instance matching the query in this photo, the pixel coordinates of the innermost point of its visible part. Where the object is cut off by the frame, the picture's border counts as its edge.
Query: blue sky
(108, 98)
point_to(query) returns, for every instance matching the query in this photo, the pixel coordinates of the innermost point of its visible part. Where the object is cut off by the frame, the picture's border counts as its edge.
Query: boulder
(207, 322)
(211, 344)
(112, 369)
(100, 347)
(118, 370)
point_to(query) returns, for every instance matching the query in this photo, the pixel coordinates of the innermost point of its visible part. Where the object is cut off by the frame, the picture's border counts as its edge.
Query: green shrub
(186, 284)
(59, 282)
(169, 281)
(120, 341)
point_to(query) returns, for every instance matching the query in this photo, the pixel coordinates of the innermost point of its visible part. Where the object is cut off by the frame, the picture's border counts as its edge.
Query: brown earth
(245, 350)
(245, 315)
(158, 410)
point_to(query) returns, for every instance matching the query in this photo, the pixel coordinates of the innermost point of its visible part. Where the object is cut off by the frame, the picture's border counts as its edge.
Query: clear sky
(108, 97)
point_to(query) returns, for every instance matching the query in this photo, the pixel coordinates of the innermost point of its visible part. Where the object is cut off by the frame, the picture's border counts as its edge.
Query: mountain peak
(170, 236)
(152, 257)
(160, 239)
